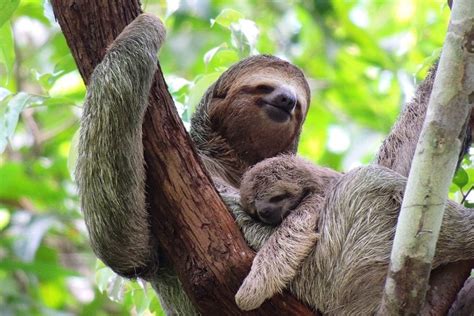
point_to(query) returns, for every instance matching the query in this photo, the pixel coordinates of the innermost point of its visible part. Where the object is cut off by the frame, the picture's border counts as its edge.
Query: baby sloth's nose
(270, 215)
(282, 98)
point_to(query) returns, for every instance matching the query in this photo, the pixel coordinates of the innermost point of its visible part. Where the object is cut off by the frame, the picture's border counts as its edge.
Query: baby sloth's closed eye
(271, 208)
(271, 190)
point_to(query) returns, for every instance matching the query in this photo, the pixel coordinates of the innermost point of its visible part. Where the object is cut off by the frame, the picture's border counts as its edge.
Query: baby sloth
(351, 217)
(269, 191)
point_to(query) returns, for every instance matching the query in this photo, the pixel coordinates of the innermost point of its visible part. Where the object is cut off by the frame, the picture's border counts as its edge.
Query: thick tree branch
(433, 167)
(192, 224)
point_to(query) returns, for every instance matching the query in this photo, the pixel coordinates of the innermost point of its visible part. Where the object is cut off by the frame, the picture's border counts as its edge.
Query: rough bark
(194, 229)
(445, 283)
(433, 167)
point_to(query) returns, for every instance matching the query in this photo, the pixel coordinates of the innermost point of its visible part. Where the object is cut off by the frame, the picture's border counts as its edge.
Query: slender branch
(194, 229)
(433, 167)
(465, 196)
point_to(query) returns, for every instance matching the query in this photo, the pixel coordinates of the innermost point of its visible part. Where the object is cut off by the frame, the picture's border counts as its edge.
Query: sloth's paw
(250, 295)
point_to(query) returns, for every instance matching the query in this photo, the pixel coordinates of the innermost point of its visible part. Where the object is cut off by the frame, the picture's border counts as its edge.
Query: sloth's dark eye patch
(259, 89)
(263, 88)
(279, 198)
(219, 95)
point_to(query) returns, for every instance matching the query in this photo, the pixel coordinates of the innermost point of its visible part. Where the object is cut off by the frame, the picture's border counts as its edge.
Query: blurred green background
(363, 60)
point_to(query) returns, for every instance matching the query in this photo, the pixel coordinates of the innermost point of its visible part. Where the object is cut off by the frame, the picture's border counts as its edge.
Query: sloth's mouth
(276, 113)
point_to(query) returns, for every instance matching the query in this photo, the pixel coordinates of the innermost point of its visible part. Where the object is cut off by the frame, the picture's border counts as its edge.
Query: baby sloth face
(275, 186)
(272, 188)
(273, 205)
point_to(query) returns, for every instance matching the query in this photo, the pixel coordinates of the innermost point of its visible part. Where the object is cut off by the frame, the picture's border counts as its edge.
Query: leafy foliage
(362, 59)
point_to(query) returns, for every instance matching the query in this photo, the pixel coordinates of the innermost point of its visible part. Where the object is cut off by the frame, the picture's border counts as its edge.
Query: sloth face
(260, 108)
(274, 187)
(269, 194)
(271, 208)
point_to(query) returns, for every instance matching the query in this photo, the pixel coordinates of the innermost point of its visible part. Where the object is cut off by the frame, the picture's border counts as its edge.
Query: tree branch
(190, 221)
(433, 167)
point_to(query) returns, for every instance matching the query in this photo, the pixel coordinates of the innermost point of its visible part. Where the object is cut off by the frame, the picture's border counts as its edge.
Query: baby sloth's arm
(270, 191)
(278, 261)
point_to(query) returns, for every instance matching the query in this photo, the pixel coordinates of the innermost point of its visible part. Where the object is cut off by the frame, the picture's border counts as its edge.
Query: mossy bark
(433, 167)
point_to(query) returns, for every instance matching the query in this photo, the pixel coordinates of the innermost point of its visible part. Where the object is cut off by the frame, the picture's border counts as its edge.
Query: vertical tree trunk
(190, 221)
(432, 169)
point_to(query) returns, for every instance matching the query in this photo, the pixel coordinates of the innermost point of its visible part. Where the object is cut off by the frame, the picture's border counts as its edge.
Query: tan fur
(345, 272)
(280, 259)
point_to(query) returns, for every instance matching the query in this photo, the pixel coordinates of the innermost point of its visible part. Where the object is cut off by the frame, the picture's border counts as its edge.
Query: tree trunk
(194, 229)
(432, 169)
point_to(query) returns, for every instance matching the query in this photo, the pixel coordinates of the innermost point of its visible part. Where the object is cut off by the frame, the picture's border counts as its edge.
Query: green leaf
(7, 52)
(16, 182)
(244, 36)
(461, 178)
(41, 269)
(200, 86)
(155, 307)
(73, 154)
(468, 204)
(103, 276)
(32, 233)
(141, 300)
(116, 288)
(34, 9)
(429, 61)
(4, 218)
(52, 293)
(210, 53)
(12, 114)
(7, 7)
(227, 17)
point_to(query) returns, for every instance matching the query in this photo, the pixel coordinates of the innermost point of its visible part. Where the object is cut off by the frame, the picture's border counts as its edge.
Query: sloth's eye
(263, 88)
(279, 198)
(219, 95)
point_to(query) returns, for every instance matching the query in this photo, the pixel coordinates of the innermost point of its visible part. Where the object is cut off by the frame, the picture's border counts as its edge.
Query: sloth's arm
(398, 148)
(110, 168)
(279, 259)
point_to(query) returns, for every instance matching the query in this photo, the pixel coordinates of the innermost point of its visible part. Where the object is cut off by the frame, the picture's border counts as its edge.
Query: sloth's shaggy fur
(351, 218)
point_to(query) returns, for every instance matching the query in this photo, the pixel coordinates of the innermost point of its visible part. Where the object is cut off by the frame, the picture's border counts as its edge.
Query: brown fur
(230, 128)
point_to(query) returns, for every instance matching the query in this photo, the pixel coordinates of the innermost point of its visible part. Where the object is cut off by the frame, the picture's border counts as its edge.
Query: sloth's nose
(282, 98)
(270, 215)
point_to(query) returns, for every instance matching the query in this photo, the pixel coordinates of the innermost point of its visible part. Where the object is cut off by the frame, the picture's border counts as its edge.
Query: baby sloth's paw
(251, 294)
